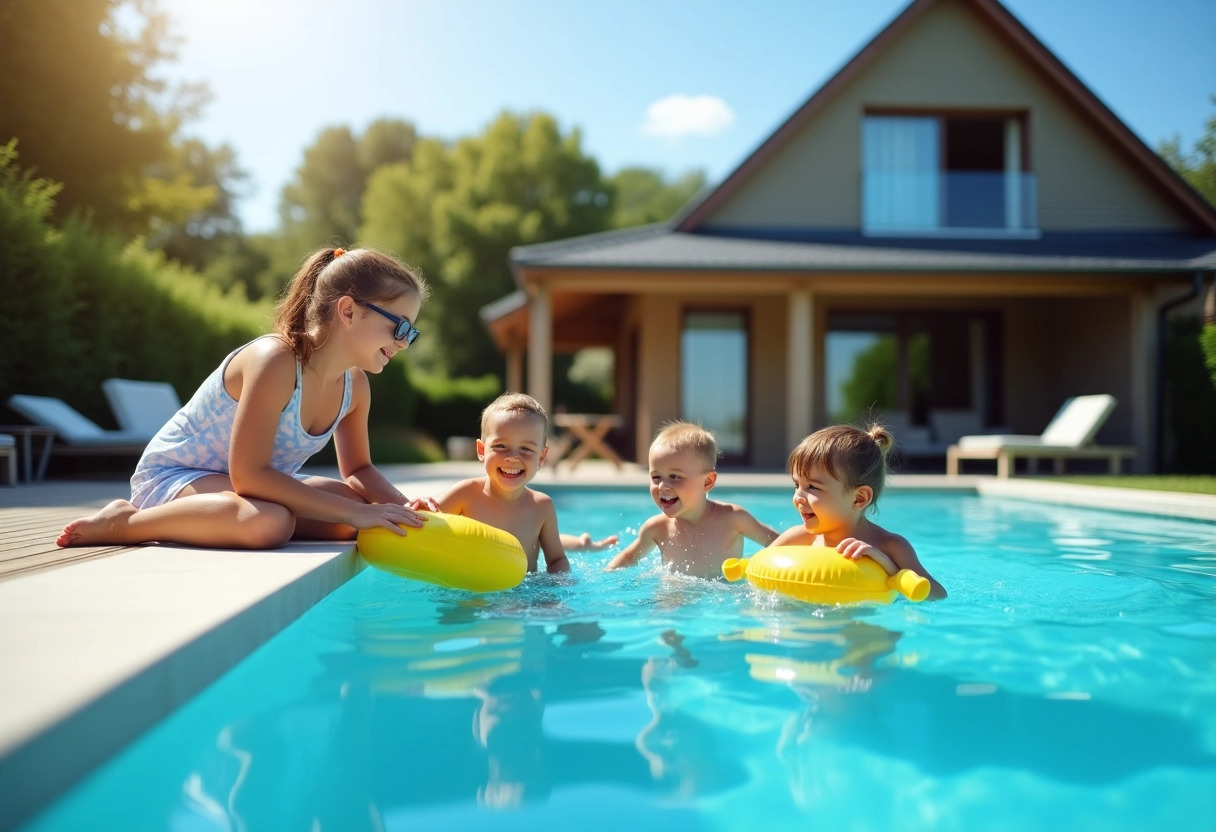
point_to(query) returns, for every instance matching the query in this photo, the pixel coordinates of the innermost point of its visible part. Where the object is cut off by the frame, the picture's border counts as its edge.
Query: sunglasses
(404, 330)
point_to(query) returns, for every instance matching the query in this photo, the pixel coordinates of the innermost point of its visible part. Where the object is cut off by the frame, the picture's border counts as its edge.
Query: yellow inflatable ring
(449, 550)
(822, 575)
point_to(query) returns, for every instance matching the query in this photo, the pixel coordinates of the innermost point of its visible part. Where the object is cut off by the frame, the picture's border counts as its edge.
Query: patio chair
(77, 433)
(141, 406)
(1068, 436)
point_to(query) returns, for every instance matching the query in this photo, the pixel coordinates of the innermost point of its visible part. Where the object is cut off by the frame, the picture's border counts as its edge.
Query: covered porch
(765, 357)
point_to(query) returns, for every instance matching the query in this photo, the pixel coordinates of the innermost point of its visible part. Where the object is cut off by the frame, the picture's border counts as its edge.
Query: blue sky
(665, 84)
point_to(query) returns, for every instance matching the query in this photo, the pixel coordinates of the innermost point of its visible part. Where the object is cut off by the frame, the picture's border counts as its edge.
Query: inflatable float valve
(734, 568)
(905, 581)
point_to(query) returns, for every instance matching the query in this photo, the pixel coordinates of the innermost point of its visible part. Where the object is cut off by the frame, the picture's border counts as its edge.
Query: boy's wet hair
(688, 436)
(328, 274)
(854, 456)
(515, 404)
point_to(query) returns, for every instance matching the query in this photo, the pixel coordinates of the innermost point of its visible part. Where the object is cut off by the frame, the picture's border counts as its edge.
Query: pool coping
(97, 652)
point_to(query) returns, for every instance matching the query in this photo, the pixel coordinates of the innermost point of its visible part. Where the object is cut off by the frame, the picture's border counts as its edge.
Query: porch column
(515, 369)
(1142, 378)
(799, 367)
(540, 347)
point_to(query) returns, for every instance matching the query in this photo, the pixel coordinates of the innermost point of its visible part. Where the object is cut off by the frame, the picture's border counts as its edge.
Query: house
(953, 230)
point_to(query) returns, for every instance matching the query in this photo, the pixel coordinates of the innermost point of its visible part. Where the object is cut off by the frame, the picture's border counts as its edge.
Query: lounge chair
(78, 433)
(8, 452)
(141, 406)
(1068, 436)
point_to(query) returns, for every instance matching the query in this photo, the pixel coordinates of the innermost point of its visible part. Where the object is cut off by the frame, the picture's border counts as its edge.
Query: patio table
(26, 434)
(589, 430)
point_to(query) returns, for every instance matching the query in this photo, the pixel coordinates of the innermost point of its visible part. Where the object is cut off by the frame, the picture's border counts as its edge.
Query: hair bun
(882, 438)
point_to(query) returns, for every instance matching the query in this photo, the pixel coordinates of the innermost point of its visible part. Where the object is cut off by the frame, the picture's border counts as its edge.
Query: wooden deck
(32, 515)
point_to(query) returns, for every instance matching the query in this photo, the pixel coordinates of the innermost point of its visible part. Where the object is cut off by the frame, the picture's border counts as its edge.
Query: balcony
(950, 204)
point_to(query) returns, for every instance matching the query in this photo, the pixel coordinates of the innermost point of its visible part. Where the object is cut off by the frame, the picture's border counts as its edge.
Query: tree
(1199, 166)
(79, 93)
(197, 236)
(457, 212)
(323, 202)
(642, 195)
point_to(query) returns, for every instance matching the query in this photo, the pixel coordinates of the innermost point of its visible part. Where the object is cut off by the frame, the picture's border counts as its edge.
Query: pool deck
(99, 643)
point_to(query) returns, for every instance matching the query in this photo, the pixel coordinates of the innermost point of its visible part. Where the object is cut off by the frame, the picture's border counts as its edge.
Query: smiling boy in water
(514, 428)
(694, 533)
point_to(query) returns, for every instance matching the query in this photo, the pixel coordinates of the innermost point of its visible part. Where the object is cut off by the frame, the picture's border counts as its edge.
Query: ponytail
(328, 275)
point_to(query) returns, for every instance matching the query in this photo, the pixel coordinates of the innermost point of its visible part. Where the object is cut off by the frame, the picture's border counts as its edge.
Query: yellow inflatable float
(449, 550)
(822, 575)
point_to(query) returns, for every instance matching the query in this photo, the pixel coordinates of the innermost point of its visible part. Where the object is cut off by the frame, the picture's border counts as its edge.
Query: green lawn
(1193, 484)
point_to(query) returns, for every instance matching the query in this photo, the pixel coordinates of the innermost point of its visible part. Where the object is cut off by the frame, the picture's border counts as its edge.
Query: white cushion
(69, 424)
(141, 406)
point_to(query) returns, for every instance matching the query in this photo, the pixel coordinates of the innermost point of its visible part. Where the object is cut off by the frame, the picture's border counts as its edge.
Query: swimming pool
(1067, 683)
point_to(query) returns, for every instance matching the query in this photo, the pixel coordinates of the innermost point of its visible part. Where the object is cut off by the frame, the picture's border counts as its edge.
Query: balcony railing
(970, 203)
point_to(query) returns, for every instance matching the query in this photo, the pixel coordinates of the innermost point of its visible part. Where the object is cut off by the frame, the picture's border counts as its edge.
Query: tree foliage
(323, 202)
(79, 91)
(1198, 167)
(643, 195)
(456, 211)
(90, 306)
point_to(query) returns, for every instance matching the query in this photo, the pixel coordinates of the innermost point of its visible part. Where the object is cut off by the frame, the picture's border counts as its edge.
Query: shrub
(1207, 340)
(452, 406)
(1190, 400)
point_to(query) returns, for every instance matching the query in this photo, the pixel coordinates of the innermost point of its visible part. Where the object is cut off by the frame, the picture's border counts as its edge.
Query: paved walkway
(100, 643)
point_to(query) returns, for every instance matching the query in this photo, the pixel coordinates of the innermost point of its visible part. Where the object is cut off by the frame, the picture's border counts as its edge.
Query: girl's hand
(852, 548)
(386, 516)
(422, 504)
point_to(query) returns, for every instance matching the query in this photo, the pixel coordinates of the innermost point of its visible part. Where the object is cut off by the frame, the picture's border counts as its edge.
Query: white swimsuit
(196, 441)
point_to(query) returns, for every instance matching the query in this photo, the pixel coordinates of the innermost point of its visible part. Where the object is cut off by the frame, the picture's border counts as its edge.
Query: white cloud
(688, 115)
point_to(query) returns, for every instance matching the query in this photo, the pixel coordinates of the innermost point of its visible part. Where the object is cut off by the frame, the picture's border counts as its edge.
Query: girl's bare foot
(106, 526)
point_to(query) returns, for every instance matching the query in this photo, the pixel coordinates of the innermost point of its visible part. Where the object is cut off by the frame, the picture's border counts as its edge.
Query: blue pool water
(1067, 683)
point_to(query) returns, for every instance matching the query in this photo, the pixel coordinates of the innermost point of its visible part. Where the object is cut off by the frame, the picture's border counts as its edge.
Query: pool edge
(38, 769)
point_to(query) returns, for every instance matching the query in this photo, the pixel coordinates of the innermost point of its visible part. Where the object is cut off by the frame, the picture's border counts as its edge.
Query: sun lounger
(77, 433)
(1069, 436)
(141, 406)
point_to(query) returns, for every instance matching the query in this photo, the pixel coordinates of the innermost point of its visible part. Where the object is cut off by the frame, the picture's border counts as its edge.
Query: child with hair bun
(224, 471)
(839, 473)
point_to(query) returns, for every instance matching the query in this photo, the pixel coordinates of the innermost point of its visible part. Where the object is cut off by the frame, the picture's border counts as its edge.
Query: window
(911, 364)
(961, 175)
(714, 377)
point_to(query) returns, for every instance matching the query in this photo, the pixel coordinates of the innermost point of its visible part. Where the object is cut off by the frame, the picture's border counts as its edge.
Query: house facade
(953, 234)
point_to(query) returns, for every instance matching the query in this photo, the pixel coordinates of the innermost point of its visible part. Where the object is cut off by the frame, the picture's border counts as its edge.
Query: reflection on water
(1049, 691)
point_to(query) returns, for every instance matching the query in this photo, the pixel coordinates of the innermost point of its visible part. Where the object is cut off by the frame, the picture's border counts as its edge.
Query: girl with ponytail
(224, 471)
(838, 474)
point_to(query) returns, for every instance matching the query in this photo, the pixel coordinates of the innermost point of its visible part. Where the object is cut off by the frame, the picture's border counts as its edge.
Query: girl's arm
(899, 555)
(354, 451)
(636, 550)
(262, 378)
(551, 540)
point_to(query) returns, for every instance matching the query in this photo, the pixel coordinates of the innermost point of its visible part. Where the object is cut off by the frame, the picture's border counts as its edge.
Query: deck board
(28, 532)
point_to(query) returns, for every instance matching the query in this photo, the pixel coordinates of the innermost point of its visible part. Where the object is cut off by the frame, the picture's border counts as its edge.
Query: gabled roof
(1022, 41)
